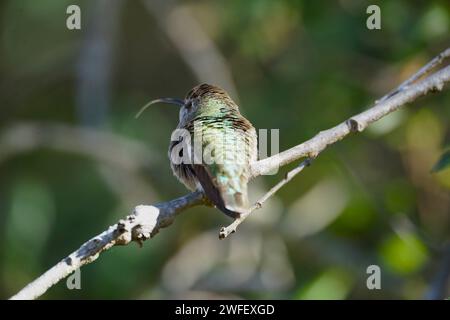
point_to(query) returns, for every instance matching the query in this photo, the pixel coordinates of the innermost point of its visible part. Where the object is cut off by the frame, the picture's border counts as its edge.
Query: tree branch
(143, 223)
(439, 59)
(147, 220)
(357, 123)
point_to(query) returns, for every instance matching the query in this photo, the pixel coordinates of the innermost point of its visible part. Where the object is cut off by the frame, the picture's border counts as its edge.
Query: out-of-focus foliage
(443, 163)
(300, 66)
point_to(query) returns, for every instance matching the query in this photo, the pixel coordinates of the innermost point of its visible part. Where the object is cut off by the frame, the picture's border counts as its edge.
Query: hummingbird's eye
(188, 104)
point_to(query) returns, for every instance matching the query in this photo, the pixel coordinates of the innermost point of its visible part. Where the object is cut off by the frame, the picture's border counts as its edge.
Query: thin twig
(226, 231)
(419, 74)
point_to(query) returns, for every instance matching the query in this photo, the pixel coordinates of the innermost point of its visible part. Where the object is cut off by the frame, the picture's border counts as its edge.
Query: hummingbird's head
(203, 99)
(206, 99)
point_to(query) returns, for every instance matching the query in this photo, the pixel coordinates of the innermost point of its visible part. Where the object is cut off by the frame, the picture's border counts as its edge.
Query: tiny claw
(222, 233)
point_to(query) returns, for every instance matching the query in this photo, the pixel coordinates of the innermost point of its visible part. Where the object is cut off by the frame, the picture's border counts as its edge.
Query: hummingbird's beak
(178, 102)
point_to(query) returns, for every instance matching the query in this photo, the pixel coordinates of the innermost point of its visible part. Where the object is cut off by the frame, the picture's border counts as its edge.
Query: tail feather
(235, 201)
(232, 203)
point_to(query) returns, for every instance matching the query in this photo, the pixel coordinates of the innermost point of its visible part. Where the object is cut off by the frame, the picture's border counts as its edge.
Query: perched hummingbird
(229, 139)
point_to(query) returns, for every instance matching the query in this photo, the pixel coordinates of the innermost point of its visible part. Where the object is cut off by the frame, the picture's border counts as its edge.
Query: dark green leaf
(443, 163)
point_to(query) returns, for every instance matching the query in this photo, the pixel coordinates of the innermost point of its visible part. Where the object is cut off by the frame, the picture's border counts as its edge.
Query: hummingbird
(219, 163)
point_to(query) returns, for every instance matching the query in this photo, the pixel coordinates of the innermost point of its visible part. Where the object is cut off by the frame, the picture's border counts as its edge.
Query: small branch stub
(355, 125)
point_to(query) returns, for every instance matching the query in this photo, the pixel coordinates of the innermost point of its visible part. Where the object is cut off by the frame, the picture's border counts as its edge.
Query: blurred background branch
(95, 65)
(439, 283)
(114, 149)
(193, 44)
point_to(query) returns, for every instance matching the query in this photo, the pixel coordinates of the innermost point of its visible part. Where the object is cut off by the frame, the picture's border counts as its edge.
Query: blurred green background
(74, 160)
